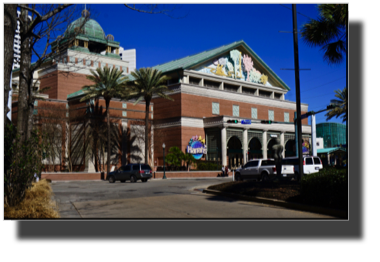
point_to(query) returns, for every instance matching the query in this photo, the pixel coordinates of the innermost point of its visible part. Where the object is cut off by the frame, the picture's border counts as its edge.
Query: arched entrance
(234, 152)
(254, 149)
(290, 148)
(271, 143)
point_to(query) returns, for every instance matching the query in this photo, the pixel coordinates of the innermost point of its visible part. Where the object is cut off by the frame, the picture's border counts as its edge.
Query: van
(311, 164)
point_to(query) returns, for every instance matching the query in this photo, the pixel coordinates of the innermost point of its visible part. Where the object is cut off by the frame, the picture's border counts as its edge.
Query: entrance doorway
(290, 148)
(235, 153)
(271, 143)
(254, 149)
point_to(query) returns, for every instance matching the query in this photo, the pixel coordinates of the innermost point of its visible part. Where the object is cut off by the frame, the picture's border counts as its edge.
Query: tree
(148, 82)
(341, 105)
(175, 156)
(107, 84)
(329, 31)
(188, 159)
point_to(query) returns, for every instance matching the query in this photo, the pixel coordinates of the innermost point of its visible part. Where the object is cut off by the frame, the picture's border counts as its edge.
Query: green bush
(328, 187)
(206, 165)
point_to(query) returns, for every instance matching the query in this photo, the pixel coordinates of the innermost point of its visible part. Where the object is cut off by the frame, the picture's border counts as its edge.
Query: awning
(330, 150)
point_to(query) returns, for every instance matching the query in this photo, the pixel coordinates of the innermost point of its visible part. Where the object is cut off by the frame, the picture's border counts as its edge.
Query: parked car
(132, 172)
(311, 164)
(261, 169)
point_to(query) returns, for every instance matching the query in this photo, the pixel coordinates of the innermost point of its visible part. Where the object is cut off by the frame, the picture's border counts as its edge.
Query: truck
(262, 169)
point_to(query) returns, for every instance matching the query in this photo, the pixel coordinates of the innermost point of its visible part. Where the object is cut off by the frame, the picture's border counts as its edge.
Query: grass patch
(36, 204)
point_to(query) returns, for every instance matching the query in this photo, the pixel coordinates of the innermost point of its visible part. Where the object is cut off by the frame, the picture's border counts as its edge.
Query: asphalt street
(161, 199)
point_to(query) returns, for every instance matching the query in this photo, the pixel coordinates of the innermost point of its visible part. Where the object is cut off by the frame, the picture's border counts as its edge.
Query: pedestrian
(222, 170)
(226, 170)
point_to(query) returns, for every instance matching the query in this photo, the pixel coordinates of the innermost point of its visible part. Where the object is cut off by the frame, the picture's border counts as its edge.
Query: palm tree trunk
(147, 102)
(108, 136)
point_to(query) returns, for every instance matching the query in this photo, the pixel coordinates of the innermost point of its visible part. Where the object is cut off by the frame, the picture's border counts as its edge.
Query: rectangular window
(235, 110)
(67, 114)
(264, 93)
(67, 106)
(254, 113)
(271, 115)
(36, 103)
(286, 117)
(211, 84)
(231, 88)
(194, 81)
(277, 96)
(215, 108)
(88, 62)
(124, 105)
(124, 113)
(72, 59)
(103, 65)
(247, 90)
(65, 60)
(124, 69)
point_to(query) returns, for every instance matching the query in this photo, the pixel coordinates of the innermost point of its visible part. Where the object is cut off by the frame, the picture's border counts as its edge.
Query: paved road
(170, 198)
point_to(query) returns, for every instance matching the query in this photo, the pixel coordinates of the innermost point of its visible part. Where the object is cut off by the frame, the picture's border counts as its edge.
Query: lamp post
(163, 148)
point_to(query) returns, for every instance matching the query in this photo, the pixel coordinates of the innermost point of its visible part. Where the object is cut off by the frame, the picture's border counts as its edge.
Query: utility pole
(298, 95)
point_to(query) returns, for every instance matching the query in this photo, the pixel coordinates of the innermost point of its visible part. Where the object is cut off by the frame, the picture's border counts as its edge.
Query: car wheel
(111, 179)
(238, 177)
(122, 181)
(265, 177)
(133, 179)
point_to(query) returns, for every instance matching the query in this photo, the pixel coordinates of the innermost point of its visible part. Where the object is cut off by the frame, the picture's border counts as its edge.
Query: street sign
(246, 122)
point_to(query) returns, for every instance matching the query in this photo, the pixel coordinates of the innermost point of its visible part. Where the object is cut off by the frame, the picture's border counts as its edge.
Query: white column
(282, 138)
(313, 135)
(264, 146)
(224, 145)
(245, 145)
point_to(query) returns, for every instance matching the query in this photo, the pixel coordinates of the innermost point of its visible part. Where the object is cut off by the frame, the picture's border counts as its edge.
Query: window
(145, 167)
(235, 110)
(135, 167)
(309, 161)
(36, 103)
(67, 114)
(246, 90)
(254, 113)
(103, 65)
(267, 163)
(317, 161)
(72, 59)
(88, 62)
(277, 95)
(271, 115)
(124, 105)
(264, 93)
(124, 113)
(215, 108)
(211, 84)
(231, 88)
(286, 117)
(67, 106)
(124, 69)
(254, 163)
(194, 81)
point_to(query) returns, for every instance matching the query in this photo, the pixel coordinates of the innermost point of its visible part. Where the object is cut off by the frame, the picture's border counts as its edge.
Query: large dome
(91, 29)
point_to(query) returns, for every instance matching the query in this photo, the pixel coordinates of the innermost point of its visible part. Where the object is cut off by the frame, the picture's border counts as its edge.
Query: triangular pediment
(235, 61)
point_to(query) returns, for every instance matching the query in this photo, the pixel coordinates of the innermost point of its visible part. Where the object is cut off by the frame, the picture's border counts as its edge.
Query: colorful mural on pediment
(235, 65)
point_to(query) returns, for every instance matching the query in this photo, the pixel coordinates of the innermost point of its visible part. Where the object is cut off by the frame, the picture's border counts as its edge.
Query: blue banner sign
(246, 122)
(197, 147)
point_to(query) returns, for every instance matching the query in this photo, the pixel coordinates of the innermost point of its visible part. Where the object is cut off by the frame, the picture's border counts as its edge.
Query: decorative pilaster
(224, 145)
(85, 44)
(282, 139)
(245, 145)
(264, 148)
(117, 51)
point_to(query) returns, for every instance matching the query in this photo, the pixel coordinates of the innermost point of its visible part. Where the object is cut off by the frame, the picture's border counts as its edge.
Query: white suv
(311, 164)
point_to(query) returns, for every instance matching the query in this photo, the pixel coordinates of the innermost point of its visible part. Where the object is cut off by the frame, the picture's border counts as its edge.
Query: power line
(298, 12)
(323, 84)
(316, 96)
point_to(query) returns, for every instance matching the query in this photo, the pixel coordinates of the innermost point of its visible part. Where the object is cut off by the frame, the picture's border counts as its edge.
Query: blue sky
(159, 39)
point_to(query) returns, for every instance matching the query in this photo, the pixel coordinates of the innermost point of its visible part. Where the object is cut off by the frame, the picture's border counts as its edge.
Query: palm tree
(148, 82)
(108, 83)
(341, 105)
(329, 31)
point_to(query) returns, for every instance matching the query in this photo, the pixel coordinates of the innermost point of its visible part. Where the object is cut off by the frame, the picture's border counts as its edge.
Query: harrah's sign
(197, 147)
(17, 43)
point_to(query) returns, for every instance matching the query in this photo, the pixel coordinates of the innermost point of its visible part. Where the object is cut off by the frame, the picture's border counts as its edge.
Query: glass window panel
(215, 108)
(235, 110)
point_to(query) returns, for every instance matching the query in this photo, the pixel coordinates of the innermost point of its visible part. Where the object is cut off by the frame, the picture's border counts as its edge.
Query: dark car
(132, 172)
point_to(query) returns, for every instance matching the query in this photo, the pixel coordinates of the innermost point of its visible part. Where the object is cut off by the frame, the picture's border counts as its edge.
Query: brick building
(209, 90)
(214, 87)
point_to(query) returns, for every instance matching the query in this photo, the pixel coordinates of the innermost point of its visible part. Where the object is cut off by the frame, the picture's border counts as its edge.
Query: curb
(302, 207)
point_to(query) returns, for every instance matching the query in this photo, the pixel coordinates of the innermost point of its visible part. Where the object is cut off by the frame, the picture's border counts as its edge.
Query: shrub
(328, 187)
(207, 165)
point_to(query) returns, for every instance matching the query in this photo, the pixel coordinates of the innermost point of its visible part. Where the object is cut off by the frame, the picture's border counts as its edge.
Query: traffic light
(266, 121)
(234, 121)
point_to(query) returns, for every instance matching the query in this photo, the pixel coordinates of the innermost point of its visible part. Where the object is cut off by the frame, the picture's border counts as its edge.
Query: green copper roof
(191, 61)
(90, 29)
(77, 93)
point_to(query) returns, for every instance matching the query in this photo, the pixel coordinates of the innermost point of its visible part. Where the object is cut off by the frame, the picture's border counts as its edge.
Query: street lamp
(163, 148)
